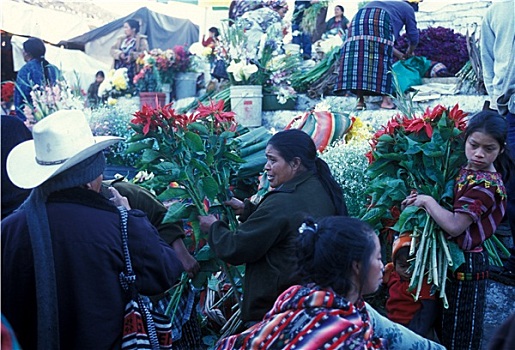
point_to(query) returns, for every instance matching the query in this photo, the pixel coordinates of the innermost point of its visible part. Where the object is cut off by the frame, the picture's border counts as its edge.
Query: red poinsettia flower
(424, 122)
(216, 110)
(393, 124)
(458, 116)
(146, 117)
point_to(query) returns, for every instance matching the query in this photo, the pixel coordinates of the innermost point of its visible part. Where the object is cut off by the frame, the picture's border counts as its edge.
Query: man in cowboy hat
(62, 250)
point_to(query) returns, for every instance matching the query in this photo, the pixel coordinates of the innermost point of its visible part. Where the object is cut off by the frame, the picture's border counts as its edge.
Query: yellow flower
(359, 131)
(112, 101)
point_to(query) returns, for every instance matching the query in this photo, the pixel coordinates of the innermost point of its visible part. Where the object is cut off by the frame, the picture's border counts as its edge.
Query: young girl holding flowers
(479, 206)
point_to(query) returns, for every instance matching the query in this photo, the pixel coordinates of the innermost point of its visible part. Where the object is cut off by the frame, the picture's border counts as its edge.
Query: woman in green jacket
(265, 240)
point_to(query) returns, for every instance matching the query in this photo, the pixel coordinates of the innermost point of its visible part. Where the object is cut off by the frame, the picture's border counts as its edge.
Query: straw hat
(61, 140)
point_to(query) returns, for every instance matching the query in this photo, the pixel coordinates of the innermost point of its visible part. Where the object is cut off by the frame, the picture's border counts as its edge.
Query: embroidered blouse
(482, 196)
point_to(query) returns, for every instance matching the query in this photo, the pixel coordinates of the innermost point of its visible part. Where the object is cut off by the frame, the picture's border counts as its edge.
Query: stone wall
(459, 16)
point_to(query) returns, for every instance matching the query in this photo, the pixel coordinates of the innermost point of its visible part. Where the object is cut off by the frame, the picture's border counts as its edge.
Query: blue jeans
(304, 40)
(510, 188)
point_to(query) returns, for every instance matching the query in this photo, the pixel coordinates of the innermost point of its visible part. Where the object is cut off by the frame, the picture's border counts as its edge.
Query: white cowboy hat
(61, 140)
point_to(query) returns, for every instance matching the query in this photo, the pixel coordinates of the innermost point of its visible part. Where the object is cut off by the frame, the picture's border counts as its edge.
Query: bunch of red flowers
(7, 91)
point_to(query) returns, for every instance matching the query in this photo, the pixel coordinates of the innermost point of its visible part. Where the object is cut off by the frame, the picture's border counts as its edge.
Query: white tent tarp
(76, 67)
(49, 25)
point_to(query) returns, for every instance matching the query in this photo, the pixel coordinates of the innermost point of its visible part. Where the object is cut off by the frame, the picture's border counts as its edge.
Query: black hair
(134, 24)
(294, 143)
(341, 7)
(215, 30)
(495, 126)
(35, 47)
(328, 248)
(101, 73)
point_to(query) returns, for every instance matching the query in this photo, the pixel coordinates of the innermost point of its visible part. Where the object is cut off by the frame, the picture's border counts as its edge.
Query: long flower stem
(433, 258)
(233, 283)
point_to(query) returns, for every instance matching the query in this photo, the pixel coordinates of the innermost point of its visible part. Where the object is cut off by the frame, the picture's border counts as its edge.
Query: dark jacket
(266, 241)
(13, 133)
(87, 248)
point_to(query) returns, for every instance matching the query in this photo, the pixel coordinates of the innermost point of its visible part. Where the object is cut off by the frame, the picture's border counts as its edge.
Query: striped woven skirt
(367, 54)
(462, 322)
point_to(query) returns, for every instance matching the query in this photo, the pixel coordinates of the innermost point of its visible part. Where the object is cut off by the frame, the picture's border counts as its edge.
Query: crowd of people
(308, 265)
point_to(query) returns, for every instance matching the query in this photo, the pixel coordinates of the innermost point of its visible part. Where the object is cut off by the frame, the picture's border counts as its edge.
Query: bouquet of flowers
(158, 61)
(422, 153)
(115, 85)
(253, 58)
(7, 95)
(49, 99)
(193, 150)
(280, 68)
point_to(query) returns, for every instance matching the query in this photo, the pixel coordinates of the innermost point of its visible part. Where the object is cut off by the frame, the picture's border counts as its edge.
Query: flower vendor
(264, 241)
(127, 48)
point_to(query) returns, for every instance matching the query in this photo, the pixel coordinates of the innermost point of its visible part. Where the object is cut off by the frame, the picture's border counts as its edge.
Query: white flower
(330, 43)
(241, 71)
(322, 106)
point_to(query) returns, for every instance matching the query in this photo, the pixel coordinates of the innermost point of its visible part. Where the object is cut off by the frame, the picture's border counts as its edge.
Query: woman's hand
(398, 54)
(118, 199)
(236, 205)
(410, 199)
(206, 222)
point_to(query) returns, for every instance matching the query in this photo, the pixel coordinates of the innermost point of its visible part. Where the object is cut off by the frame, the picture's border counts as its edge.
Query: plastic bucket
(246, 103)
(185, 85)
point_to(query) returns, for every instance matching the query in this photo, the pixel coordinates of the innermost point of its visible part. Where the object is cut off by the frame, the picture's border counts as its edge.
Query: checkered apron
(367, 54)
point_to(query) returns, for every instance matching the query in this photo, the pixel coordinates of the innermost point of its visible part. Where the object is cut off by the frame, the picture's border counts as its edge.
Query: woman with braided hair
(36, 71)
(265, 240)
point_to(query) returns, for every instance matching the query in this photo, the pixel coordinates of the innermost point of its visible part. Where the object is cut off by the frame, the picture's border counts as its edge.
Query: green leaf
(408, 214)
(205, 254)
(138, 146)
(176, 212)
(234, 157)
(210, 187)
(173, 193)
(150, 155)
(201, 128)
(373, 215)
(456, 254)
(200, 166)
(194, 141)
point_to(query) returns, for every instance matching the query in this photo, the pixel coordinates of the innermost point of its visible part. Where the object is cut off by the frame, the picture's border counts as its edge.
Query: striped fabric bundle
(309, 318)
(324, 127)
